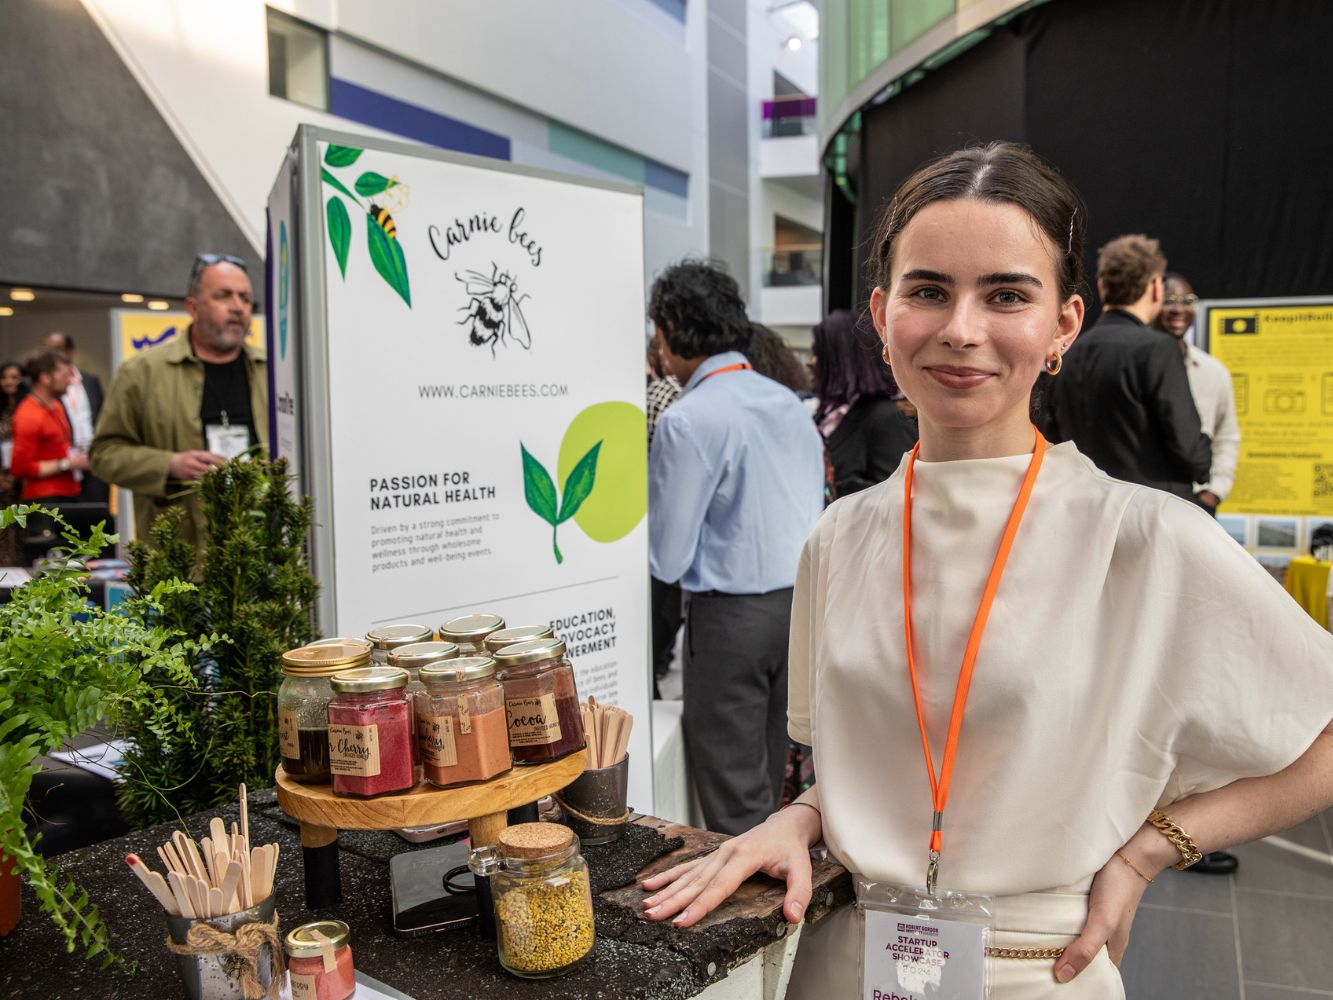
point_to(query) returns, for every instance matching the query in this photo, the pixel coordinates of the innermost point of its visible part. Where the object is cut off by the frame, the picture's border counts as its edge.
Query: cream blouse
(1134, 654)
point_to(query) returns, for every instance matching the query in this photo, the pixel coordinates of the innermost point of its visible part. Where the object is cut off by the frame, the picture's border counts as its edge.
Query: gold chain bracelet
(1182, 841)
(1026, 954)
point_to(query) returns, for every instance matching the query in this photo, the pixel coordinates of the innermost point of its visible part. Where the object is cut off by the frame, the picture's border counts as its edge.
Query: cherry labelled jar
(543, 901)
(370, 732)
(320, 961)
(469, 632)
(522, 633)
(541, 701)
(462, 729)
(303, 706)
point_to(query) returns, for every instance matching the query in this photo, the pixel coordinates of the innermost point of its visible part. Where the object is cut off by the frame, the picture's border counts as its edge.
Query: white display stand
(456, 357)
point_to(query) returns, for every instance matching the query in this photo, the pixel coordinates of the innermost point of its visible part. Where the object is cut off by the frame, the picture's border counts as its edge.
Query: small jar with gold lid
(543, 901)
(412, 658)
(461, 725)
(541, 701)
(469, 632)
(386, 638)
(370, 732)
(320, 961)
(303, 702)
(521, 633)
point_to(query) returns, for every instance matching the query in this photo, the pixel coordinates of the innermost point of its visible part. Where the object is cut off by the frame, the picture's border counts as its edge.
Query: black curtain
(1204, 124)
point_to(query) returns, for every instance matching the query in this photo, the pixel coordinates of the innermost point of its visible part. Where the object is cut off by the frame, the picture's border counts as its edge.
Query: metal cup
(600, 794)
(203, 975)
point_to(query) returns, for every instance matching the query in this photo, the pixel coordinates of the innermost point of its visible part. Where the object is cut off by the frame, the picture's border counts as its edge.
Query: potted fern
(65, 666)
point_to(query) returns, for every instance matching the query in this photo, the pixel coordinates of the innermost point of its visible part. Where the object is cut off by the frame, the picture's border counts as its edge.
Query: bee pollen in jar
(543, 901)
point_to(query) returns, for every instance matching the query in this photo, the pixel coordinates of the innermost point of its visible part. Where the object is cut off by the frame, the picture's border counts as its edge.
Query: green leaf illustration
(371, 183)
(341, 156)
(539, 491)
(386, 253)
(579, 484)
(340, 231)
(330, 179)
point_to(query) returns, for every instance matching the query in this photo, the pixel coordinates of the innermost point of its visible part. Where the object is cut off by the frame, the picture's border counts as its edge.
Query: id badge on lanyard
(918, 946)
(227, 439)
(931, 944)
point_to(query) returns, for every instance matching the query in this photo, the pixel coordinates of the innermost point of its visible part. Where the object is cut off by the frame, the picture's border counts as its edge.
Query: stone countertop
(632, 957)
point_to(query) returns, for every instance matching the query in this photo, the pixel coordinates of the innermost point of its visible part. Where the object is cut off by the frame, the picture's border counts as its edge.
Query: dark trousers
(735, 711)
(666, 613)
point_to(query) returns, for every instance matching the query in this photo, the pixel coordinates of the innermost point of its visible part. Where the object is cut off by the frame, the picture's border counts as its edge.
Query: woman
(11, 392)
(1126, 663)
(866, 435)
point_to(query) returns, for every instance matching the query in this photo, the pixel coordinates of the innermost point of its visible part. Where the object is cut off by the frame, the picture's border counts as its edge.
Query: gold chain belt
(1026, 954)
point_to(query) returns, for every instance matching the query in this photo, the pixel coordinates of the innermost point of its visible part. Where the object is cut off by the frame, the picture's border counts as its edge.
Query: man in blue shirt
(735, 483)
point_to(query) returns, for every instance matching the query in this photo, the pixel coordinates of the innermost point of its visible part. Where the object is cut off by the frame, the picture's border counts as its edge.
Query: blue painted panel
(369, 107)
(665, 178)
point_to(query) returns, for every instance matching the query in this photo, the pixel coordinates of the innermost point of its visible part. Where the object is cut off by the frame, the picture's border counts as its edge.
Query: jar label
(436, 733)
(533, 722)
(464, 720)
(355, 750)
(303, 987)
(289, 738)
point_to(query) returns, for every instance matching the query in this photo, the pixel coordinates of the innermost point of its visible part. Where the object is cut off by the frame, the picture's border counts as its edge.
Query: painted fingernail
(1064, 973)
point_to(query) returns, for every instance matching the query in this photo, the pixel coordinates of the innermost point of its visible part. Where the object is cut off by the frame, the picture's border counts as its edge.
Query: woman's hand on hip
(1112, 902)
(780, 847)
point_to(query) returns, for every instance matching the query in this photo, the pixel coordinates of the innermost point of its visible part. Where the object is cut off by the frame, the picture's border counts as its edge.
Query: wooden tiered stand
(322, 814)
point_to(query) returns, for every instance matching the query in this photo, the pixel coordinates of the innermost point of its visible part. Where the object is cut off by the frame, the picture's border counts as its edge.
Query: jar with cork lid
(541, 701)
(469, 632)
(543, 901)
(370, 732)
(303, 703)
(461, 725)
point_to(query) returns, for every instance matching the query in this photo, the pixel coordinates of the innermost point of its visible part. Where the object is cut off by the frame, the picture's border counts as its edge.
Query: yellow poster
(1280, 355)
(137, 330)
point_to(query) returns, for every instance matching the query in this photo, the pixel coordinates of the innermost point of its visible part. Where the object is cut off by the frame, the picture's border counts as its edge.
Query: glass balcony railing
(787, 116)
(791, 266)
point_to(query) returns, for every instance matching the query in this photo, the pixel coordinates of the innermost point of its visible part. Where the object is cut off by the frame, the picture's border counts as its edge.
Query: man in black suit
(83, 403)
(1124, 397)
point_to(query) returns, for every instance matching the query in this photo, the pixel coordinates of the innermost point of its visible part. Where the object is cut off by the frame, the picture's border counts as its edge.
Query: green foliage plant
(255, 590)
(539, 491)
(65, 666)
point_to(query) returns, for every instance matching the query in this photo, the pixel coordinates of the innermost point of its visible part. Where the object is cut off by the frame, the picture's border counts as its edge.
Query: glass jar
(541, 701)
(461, 725)
(320, 961)
(412, 658)
(355, 640)
(370, 732)
(387, 638)
(303, 703)
(469, 632)
(543, 901)
(522, 633)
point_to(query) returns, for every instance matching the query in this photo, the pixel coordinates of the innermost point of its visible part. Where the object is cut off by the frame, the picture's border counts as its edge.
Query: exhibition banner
(284, 431)
(1280, 355)
(135, 330)
(476, 336)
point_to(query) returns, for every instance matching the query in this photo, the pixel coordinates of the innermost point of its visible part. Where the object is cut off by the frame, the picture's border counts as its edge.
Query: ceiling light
(6, 310)
(131, 297)
(158, 305)
(22, 294)
(793, 43)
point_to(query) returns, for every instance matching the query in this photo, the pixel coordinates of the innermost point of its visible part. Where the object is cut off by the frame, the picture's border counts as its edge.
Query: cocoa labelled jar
(469, 632)
(541, 701)
(303, 705)
(461, 724)
(370, 732)
(543, 901)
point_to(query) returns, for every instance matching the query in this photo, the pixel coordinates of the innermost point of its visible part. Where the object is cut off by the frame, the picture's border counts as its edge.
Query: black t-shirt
(227, 397)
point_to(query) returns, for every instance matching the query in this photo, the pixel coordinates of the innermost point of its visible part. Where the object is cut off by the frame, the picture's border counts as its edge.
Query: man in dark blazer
(83, 404)
(1123, 395)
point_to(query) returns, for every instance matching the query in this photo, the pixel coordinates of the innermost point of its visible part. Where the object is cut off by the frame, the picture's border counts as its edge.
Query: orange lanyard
(939, 788)
(742, 366)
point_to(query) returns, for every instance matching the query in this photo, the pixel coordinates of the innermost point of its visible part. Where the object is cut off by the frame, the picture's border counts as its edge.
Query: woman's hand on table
(780, 847)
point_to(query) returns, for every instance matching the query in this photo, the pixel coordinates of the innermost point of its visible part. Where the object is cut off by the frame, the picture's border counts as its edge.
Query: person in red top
(44, 458)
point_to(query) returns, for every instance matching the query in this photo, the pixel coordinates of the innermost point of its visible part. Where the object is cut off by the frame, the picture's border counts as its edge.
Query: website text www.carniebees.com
(493, 390)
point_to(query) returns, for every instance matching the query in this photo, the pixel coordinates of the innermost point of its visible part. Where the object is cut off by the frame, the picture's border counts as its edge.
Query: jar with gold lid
(412, 658)
(370, 732)
(320, 961)
(521, 633)
(303, 702)
(384, 639)
(543, 901)
(469, 632)
(461, 726)
(541, 701)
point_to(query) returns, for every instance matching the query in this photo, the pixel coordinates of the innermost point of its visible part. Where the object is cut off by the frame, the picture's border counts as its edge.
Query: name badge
(920, 947)
(227, 440)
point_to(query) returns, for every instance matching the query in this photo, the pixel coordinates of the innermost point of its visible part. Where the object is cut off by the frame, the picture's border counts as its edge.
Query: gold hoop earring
(885, 355)
(1054, 364)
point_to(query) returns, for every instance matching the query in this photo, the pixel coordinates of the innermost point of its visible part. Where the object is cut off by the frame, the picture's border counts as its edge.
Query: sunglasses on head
(209, 259)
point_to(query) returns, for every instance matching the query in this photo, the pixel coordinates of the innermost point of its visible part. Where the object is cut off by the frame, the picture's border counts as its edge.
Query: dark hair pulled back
(1001, 172)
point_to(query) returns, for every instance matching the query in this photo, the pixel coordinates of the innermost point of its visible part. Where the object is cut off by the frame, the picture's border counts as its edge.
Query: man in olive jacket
(177, 410)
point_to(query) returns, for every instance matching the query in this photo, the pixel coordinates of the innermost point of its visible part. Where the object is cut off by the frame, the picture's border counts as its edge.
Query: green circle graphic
(619, 497)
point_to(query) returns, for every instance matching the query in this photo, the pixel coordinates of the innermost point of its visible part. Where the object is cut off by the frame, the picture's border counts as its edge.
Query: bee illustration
(493, 312)
(384, 220)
